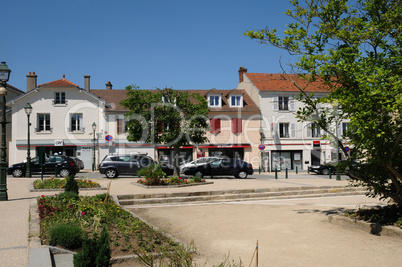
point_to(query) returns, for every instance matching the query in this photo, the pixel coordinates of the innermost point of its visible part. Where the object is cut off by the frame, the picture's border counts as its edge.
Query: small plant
(71, 184)
(153, 174)
(66, 235)
(95, 251)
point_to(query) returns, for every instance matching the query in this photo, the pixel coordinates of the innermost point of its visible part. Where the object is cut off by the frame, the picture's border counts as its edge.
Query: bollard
(296, 170)
(55, 171)
(259, 170)
(308, 170)
(330, 173)
(276, 173)
(286, 174)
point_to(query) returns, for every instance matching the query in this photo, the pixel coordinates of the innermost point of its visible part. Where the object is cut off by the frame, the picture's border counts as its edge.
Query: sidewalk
(14, 220)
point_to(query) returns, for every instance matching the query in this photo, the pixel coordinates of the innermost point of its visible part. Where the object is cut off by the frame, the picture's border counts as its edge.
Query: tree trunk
(176, 162)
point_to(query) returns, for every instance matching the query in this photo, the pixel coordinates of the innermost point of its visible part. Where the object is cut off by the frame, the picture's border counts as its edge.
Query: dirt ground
(289, 233)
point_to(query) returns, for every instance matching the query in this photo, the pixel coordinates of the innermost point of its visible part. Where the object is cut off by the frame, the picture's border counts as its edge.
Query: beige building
(289, 144)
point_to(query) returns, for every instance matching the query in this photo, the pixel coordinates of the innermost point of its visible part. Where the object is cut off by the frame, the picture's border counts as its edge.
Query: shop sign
(58, 142)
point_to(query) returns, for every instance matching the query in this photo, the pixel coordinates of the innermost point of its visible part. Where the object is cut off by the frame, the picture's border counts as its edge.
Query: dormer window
(236, 101)
(60, 99)
(215, 101)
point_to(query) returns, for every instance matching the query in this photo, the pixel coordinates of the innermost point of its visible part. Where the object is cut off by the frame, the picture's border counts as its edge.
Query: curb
(371, 228)
(169, 186)
(32, 189)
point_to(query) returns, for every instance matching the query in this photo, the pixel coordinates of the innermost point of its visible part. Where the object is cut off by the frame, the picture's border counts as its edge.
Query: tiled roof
(114, 97)
(59, 83)
(280, 82)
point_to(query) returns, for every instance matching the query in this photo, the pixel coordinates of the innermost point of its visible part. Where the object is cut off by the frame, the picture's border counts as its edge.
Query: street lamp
(28, 111)
(93, 157)
(4, 76)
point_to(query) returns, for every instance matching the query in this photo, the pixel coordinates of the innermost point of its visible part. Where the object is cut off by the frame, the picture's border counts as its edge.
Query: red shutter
(215, 125)
(236, 125)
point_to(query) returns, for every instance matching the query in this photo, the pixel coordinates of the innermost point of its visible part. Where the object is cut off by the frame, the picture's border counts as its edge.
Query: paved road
(290, 232)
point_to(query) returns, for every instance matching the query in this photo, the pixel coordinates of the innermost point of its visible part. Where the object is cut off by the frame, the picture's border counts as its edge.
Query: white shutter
(291, 103)
(276, 106)
(293, 130)
(309, 132)
(275, 130)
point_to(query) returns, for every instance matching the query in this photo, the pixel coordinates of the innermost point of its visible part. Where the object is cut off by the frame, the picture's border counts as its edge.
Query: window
(283, 103)
(236, 125)
(345, 127)
(60, 98)
(76, 122)
(236, 101)
(284, 130)
(43, 122)
(215, 125)
(315, 130)
(215, 101)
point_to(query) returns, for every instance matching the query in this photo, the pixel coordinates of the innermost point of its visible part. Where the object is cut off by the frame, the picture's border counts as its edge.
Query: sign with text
(58, 142)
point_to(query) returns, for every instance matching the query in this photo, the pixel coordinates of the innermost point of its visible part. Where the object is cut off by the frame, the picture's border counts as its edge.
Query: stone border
(371, 228)
(32, 189)
(169, 186)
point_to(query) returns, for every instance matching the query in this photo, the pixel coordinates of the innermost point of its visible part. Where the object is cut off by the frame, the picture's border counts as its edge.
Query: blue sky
(152, 43)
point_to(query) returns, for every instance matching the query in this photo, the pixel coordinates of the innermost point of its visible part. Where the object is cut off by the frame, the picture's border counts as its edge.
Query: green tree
(166, 116)
(354, 48)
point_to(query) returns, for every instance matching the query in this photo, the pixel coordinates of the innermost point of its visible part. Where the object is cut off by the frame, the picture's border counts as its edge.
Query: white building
(61, 121)
(288, 143)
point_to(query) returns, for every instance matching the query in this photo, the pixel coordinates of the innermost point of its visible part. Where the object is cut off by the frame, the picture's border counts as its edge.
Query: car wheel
(242, 175)
(325, 171)
(64, 173)
(18, 173)
(199, 174)
(111, 173)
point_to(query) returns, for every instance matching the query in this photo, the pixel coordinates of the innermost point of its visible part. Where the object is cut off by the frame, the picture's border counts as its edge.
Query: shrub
(66, 235)
(153, 173)
(95, 251)
(71, 184)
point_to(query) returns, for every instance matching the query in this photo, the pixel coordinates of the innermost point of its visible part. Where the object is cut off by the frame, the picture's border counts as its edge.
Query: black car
(114, 165)
(219, 167)
(79, 162)
(325, 168)
(65, 166)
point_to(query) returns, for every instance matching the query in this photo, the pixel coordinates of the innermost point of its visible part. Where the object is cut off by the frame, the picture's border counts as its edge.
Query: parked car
(324, 168)
(79, 162)
(197, 162)
(114, 165)
(221, 166)
(65, 166)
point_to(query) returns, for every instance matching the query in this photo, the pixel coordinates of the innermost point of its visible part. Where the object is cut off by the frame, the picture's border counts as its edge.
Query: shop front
(230, 151)
(282, 160)
(166, 154)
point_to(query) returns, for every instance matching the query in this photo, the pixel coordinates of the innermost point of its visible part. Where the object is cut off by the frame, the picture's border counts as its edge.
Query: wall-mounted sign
(316, 144)
(58, 142)
(261, 147)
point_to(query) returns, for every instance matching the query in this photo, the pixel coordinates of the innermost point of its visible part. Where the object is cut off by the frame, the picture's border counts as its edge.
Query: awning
(225, 146)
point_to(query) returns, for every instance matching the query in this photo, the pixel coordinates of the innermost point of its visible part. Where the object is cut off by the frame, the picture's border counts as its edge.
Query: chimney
(87, 83)
(31, 81)
(109, 86)
(242, 70)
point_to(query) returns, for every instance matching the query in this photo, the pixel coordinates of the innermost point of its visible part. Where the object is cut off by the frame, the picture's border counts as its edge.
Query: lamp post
(93, 157)
(28, 111)
(4, 76)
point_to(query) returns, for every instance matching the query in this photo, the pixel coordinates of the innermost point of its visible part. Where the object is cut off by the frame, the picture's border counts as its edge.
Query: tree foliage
(166, 116)
(354, 48)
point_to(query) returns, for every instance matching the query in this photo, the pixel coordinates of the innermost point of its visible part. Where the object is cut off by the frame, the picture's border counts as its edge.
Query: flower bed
(128, 235)
(170, 181)
(53, 183)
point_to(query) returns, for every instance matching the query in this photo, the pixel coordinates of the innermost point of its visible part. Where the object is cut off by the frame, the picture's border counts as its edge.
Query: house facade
(288, 143)
(73, 121)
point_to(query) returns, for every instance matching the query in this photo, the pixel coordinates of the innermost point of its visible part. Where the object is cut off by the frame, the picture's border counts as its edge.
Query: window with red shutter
(215, 125)
(236, 125)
